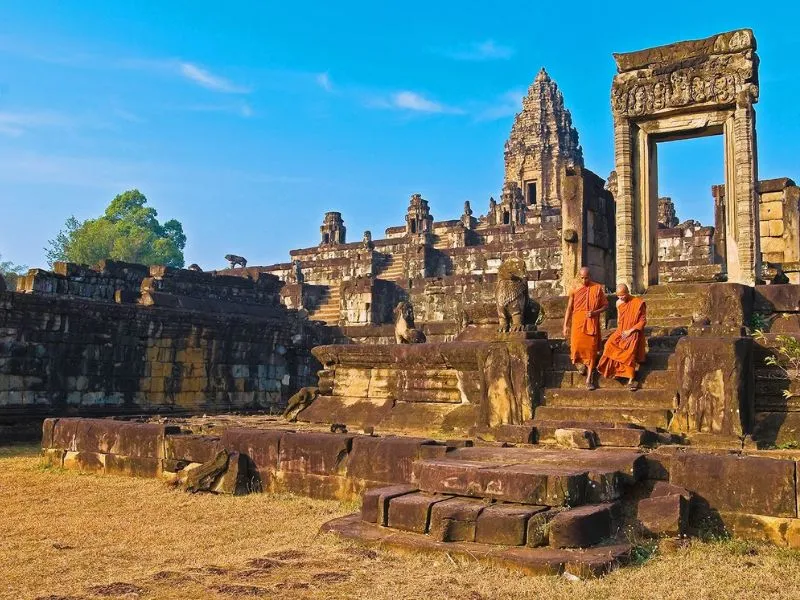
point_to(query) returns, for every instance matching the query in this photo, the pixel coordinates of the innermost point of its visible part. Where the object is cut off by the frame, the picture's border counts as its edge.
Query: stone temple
(480, 438)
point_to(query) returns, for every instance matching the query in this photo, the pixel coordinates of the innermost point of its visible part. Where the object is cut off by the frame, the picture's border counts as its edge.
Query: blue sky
(248, 120)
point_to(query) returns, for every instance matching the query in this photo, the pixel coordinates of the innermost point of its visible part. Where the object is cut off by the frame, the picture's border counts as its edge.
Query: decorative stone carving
(295, 275)
(404, 330)
(543, 144)
(418, 216)
(235, 260)
(514, 309)
(367, 240)
(332, 229)
(718, 70)
(299, 402)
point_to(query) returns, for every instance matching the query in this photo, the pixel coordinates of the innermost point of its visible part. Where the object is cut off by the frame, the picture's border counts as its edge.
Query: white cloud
(15, 124)
(507, 105)
(479, 51)
(208, 80)
(324, 81)
(413, 101)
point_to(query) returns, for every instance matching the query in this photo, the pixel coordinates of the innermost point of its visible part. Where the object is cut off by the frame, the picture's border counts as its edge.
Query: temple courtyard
(158, 542)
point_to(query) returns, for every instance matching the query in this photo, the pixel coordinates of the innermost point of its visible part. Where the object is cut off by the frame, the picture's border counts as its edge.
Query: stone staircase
(328, 309)
(538, 510)
(392, 269)
(612, 415)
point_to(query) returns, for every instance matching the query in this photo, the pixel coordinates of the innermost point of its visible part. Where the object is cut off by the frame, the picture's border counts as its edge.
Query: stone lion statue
(404, 330)
(299, 402)
(514, 309)
(234, 260)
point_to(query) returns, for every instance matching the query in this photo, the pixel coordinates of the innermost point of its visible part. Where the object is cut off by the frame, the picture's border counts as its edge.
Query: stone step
(655, 361)
(609, 398)
(532, 484)
(622, 435)
(649, 379)
(644, 417)
(583, 563)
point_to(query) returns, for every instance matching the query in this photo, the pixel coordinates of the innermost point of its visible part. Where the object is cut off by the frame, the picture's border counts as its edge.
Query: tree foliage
(9, 271)
(127, 231)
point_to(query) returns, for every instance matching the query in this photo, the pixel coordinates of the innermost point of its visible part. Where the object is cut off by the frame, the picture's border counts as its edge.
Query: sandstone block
(315, 453)
(747, 484)
(385, 459)
(375, 502)
(192, 448)
(323, 487)
(234, 481)
(262, 449)
(581, 527)
(86, 462)
(132, 466)
(504, 524)
(538, 528)
(454, 520)
(574, 438)
(663, 515)
(412, 512)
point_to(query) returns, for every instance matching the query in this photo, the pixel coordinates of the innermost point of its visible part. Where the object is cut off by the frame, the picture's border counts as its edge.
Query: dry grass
(65, 535)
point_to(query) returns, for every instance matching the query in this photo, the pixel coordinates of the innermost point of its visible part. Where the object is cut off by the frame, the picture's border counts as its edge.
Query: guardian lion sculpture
(515, 310)
(404, 330)
(236, 260)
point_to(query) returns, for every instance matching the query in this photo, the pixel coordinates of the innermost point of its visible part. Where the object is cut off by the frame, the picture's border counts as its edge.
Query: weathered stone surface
(132, 466)
(87, 462)
(574, 438)
(663, 515)
(411, 512)
(192, 448)
(716, 390)
(315, 453)
(385, 459)
(262, 449)
(538, 529)
(504, 524)
(375, 502)
(581, 527)
(746, 484)
(235, 480)
(531, 561)
(323, 487)
(455, 520)
(783, 532)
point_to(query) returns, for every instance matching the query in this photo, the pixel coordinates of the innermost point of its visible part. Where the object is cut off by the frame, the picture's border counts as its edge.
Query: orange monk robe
(584, 342)
(621, 355)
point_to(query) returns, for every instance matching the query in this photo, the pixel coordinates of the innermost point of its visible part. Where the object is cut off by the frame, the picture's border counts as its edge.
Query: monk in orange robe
(586, 303)
(625, 348)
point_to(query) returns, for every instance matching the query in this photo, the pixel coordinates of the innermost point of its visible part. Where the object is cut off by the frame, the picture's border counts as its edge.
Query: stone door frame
(668, 93)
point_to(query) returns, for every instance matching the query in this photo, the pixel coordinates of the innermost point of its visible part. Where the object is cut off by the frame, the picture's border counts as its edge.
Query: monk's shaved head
(622, 288)
(585, 272)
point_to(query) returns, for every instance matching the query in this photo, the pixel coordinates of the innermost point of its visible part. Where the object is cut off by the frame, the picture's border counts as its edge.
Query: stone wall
(200, 343)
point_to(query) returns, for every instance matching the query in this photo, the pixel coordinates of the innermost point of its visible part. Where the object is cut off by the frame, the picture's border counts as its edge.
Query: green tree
(9, 271)
(128, 230)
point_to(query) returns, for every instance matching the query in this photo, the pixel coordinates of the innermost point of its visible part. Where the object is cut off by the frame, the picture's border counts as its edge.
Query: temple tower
(418, 217)
(543, 145)
(332, 229)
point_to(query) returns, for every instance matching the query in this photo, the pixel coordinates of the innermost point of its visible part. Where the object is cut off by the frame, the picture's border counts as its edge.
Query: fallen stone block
(53, 457)
(262, 449)
(575, 438)
(412, 512)
(504, 524)
(375, 502)
(663, 515)
(204, 477)
(234, 480)
(454, 520)
(581, 527)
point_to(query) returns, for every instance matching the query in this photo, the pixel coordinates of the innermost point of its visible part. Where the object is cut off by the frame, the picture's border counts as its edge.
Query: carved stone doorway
(680, 91)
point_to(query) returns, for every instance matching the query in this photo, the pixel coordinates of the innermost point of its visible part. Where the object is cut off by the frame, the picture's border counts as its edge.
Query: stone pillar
(744, 198)
(624, 198)
(720, 232)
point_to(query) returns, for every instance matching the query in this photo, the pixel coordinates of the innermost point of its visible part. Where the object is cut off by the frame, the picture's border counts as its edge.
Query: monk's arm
(639, 325)
(567, 315)
(603, 305)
